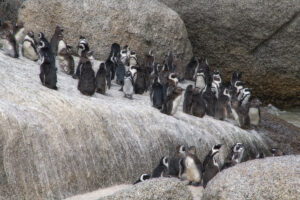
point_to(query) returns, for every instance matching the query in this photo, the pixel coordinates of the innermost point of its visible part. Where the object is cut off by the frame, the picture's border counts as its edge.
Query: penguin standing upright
(222, 105)
(55, 40)
(7, 40)
(142, 178)
(210, 164)
(172, 101)
(83, 51)
(240, 114)
(190, 68)
(254, 111)
(157, 94)
(216, 83)
(47, 69)
(193, 167)
(176, 164)
(120, 73)
(86, 83)
(65, 59)
(162, 169)
(29, 49)
(198, 105)
(128, 87)
(235, 156)
(82, 46)
(188, 99)
(210, 100)
(101, 79)
(140, 84)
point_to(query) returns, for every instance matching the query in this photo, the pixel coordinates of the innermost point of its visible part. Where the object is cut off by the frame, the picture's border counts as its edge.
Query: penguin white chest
(200, 82)
(236, 116)
(128, 87)
(192, 172)
(254, 116)
(29, 51)
(176, 103)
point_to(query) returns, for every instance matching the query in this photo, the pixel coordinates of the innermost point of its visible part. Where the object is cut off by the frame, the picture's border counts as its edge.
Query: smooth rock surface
(259, 37)
(56, 144)
(141, 24)
(269, 178)
(154, 189)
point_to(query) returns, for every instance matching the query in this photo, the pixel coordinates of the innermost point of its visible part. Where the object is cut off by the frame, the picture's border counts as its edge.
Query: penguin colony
(209, 95)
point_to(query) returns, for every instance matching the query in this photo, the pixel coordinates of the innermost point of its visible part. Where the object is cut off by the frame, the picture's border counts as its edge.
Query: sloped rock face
(56, 144)
(259, 37)
(154, 189)
(269, 178)
(141, 24)
(9, 9)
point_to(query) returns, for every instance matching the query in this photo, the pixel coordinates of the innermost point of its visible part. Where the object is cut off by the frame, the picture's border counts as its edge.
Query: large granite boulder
(269, 178)
(141, 24)
(259, 37)
(56, 144)
(154, 189)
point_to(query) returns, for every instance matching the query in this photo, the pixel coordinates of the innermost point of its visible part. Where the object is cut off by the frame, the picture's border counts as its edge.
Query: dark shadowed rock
(9, 9)
(154, 189)
(269, 178)
(259, 37)
(141, 24)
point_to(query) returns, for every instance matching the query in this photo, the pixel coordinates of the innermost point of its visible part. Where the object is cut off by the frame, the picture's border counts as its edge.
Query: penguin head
(164, 161)
(42, 45)
(181, 150)
(41, 36)
(59, 30)
(203, 61)
(226, 93)
(260, 155)
(192, 150)
(144, 177)
(31, 34)
(102, 66)
(173, 80)
(90, 55)
(238, 147)
(215, 149)
(216, 72)
(255, 103)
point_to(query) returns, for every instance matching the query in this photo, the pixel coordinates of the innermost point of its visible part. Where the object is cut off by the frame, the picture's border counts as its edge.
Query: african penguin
(29, 49)
(101, 79)
(55, 40)
(176, 164)
(222, 105)
(254, 111)
(210, 164)
(209, 100)
(188, 99)
(193, 167)
(216, 83)
(240, 114)
(172, 101)
(86, 83)
(235, 156)
(244, 96)
(200, 80)
(120, 73)
(162, 169)
(203, 68)
(236, 76)
(142, 178)
(82, 45)
(190, 68)
(198, 104)
(128, 87)
(132, 59)
(140, 83)
(84, 52)
(169, 62)
(65, 59)
(156, 94)
(277, 152)
(45, 50)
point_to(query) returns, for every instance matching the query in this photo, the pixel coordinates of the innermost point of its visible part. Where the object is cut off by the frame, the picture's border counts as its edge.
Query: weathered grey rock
(56, 144)
(260, 37)
(154, 189)
(9, 9)
(141, 24)
(270, 178)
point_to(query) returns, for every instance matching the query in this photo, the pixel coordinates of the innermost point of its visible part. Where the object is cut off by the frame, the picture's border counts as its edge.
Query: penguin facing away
(156, 94)
(29, 49)
(222, 104)
(142, 178)
(190, 68)
(198, 105)
(240, 114)
(176, 164)
(172, 101)
(193, 167)
(101, 79)
(162, 169)
(188, 99)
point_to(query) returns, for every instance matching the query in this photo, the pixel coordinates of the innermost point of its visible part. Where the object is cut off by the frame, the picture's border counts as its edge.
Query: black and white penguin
(162, 169)
(101, 79)
(277, 152)
(48, 70)
(172, 101)
(120, 73)
(254, 111)
(55, 40)
(198, 104)
(203, 68)
(210, 100)
(244, 96)
(86, 83)
(260, 155)
(176, 164)
(190, 68)
(18, 31)
(9, 44)
(188, 99)
(128, 87)
(210, 164)
(109, 72)
(82, 45)
(237, 155)
(142, 178)
(157, 93)
(140, 84)
(200, 80)
(65, 59)
(114, 57)
(216, 84)
(45, 50)
(84, 52)
(222, 104)
(193, 167)
(170, 58)
(236, 76)
(132, 59)
(240, 114)
(149, 60)
(29, 49)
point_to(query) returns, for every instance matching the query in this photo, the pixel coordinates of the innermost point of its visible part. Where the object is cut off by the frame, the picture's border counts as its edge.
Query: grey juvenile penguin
(101, 79)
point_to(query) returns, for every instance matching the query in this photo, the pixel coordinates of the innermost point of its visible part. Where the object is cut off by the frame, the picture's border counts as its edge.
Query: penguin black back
(156, 94)
(54, 40)
(101, 79)
(162, 169)
(86, 83)
(142, 178)
(188, 99)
